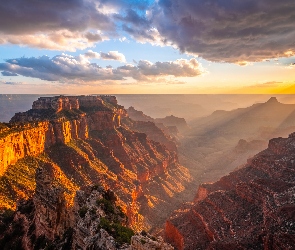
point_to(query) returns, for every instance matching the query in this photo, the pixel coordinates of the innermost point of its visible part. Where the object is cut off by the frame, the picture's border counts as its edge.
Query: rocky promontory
(88, 140)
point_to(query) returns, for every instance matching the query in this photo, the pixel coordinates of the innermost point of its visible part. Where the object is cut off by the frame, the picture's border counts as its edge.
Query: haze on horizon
(150, 46)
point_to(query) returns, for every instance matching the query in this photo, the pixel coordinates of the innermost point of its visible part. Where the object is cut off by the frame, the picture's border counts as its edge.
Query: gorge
(79, 169)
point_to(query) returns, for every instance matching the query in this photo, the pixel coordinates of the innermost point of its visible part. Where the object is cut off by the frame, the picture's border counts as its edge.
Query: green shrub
(83, 211)
(120, 233)
(106, 205)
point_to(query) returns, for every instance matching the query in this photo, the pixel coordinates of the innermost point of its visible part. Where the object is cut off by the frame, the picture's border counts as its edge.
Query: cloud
(26, 16)
(78, 69)
(225, 31)
(60, 40)
(55, 24)
(10, 83)
(113, 55)
(7, 73)
(178, 68)
(63, 24)
(92, 54)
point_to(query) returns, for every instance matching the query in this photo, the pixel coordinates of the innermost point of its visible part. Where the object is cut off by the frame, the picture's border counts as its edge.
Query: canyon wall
(251, 208)
(88, 140)
(33, 138)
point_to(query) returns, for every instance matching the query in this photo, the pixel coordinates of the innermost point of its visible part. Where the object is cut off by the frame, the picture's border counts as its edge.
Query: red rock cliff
(251, 208)
(85, 141)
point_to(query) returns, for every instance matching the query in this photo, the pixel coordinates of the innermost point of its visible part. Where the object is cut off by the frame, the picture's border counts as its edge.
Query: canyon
(251, 208)
(87, 140)
(76, 169)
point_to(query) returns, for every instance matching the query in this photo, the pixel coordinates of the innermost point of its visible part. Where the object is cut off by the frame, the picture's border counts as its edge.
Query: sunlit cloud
(56, 24)
(111, 55)
(78, 69)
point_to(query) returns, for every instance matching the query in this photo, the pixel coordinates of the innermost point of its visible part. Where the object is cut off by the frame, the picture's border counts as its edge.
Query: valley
(159, 169)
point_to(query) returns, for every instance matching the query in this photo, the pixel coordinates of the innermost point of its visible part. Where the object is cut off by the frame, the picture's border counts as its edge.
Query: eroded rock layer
(50, 221)
(251, 208)
(88, 140)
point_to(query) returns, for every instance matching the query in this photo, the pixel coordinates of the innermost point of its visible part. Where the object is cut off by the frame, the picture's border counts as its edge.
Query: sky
(148, 46)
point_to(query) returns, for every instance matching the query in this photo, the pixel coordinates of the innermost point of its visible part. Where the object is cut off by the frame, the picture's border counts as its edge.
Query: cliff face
(170, 124)
(172, 120)
(251, 208)
(86, 140)
(50, 221)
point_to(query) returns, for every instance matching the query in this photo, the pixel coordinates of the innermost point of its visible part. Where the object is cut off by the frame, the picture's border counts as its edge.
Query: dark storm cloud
(55, 24)
(133, 18)
(65, 25)
(30, 16)
(231, 30)
(66, 68)
(7, 73)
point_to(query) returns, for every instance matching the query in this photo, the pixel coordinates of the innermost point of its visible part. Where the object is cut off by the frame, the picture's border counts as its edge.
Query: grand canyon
(147, 125)
(83, 172)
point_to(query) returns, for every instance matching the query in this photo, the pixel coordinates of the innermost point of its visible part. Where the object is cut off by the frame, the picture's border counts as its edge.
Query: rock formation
(94, 222)
(88, 140)
(137, 115)
(173, 121)
(170, 124)
(251, 208)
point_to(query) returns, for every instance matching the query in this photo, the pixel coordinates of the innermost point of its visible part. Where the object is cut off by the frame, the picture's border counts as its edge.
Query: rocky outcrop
(244, 146)
(54, 124)
(94, 222)
(154, 133)
(19, 141)
(251, 208)
(137, 115)
(170, 124)
(53, 200)
(148, 242)
(56, 103)
(173, 121)
(96, 143)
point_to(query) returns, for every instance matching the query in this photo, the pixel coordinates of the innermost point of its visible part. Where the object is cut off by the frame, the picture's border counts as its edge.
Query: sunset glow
(147, 46)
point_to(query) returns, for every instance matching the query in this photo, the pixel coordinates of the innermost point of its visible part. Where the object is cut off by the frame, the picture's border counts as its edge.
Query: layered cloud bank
(225, 31)
(70, 69)
(230, 31)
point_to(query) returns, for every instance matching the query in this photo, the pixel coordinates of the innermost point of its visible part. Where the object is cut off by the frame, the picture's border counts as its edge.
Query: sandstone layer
(88, 140)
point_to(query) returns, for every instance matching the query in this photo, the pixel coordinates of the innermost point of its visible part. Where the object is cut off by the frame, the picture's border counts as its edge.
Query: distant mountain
(251, 121)
(211, 147)
(170, 124)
